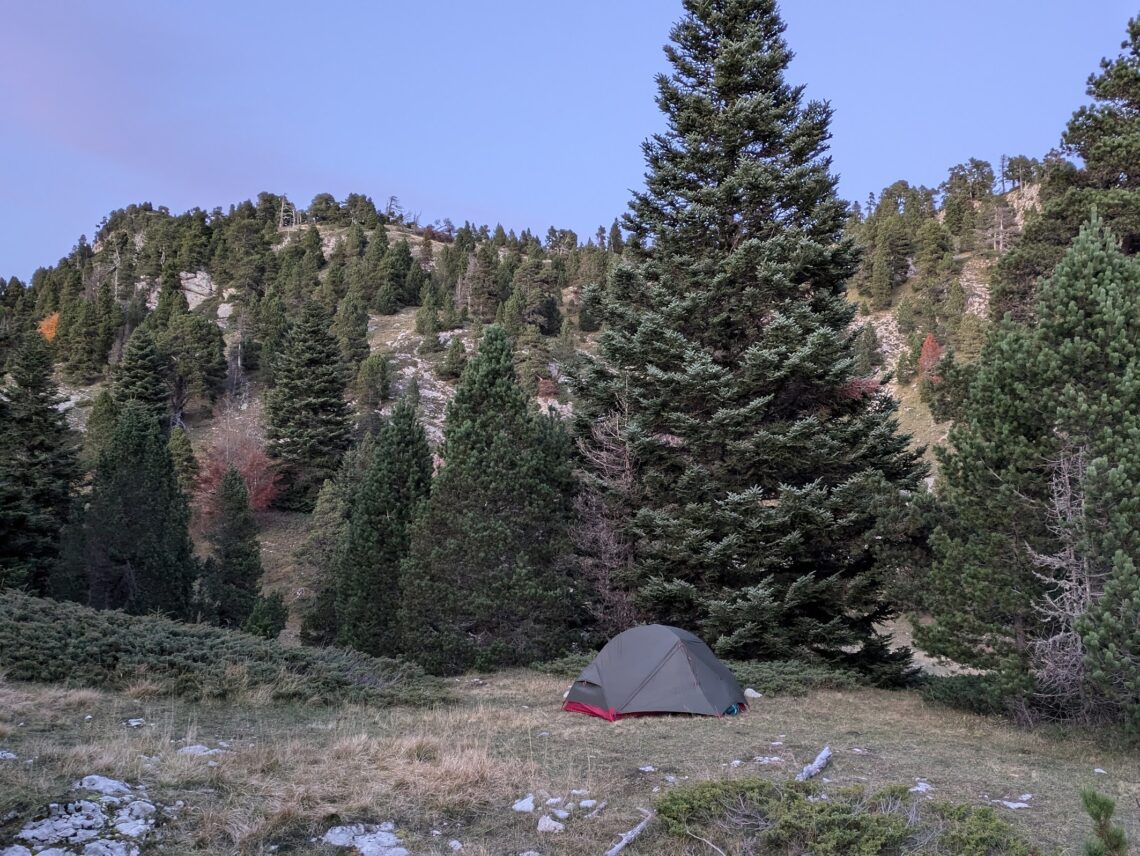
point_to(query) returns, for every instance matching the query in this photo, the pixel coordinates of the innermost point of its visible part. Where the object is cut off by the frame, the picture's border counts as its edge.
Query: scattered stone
(199, 749)
(776, 743)
(549, 824)
(751, 693)
(88, 718)
(858, 750)
(543, 734)
(1099, 771)
(5, 755)
(16, 850)
(554, 801)
(648, 768)
(455, 845)
(736, 762)
(525, 804)
(1012, 804)
(560, 813)
(135, 723)
(578, 792)
(588, 803)
(768, 759)
(530, 853)
(921, 787)
(366, 839)
(103, 785)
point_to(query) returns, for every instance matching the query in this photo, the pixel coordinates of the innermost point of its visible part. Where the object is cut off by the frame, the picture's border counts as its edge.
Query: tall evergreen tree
(760, 460)
(235, 573)
(376, 539)
(309, 423)
(133, 546)
(1044, 462)
(141, 376)
(372, 387)
(350, 326)
(484, 583)
(37, 468)
(182, 455)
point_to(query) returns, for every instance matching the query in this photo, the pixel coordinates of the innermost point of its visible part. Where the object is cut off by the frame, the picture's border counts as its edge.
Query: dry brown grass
(294, 771)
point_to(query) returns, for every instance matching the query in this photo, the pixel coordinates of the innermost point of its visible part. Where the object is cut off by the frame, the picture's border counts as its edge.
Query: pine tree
(484, 583)
(454, 359)
(100, 426)
(350, 326)
(376, 538)
(133, 547)
(372, 387)
(185, 464)
(309, 424)
(236, 576)
(37, 468)
(1101, 137)
(1065, 392)
(193, 350)
(761, 461)
(269, 616)
(141, 376)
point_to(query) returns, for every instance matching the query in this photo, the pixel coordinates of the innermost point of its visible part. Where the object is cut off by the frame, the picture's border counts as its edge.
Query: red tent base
(612, 715)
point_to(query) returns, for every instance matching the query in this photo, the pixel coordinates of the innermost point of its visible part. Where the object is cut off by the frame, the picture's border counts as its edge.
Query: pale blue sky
(530, 114)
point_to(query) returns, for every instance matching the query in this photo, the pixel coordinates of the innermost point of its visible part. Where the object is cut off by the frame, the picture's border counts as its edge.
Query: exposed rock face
(366, 839)
(197, 286)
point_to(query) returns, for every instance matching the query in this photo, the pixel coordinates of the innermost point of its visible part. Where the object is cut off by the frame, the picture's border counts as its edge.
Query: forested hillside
(477, 448)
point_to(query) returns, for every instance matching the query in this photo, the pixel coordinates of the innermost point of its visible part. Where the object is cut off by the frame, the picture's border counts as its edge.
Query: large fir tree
(760, 460)
(37, 467)
(484, 583)
(133, 547)
(309, 420)
(376, 540)
(141, 376)
(234, 579)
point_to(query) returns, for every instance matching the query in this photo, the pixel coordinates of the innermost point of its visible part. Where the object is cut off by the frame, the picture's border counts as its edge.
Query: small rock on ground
(366, 839)
(549, 824)
(525, 804)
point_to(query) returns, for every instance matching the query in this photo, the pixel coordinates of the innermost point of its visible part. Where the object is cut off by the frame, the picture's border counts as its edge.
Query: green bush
(53, 641)
(979, 694)
(569, 666)
(756, 815)
(790, 677)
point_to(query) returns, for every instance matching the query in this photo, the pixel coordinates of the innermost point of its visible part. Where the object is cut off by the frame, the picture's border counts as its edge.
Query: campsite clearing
(285, 775)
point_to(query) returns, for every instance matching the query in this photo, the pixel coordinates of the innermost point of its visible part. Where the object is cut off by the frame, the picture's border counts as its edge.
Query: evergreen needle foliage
(484, 583)
(760, 466)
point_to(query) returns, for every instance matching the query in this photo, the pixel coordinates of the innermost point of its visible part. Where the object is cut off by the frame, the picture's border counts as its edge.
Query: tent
(653, 668)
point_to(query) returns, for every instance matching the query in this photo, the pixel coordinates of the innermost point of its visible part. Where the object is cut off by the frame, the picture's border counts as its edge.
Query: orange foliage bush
(49, 326)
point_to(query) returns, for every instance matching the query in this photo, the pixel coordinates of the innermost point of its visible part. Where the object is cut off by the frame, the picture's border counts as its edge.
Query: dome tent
(653, 668)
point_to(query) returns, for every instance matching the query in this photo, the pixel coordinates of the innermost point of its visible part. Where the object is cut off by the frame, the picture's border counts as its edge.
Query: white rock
(102, 847)
(530, 853)
(560, 813)
(578, 792)
(549, 824)
(736, 762)
(199, 749)
(921, 787)
(135, 723)
(768, 759)
(648, 768)
(1099, 771)
(751, 693)
(776, 743)
(103, 785)
(1011, 804)
(366, 839)
(88, 718)
(16, 850)
(455, 844)
(525, 804)
(554, 801)
(588, 803)
(5, 755)
(1025, 797)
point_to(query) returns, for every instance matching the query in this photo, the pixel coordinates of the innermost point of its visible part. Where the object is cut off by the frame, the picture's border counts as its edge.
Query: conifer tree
(372, 387)
(484, 583)
(37, 468)
(453, 360)
(762, 465)
(185, 463)
(235, 575)
(309, 425)
(133, 546)
(350, 326)
(100, 426)
(269, 616)
(1060, 397)
(1101, 136)
(141, 377)
(193, 350)
(376, 538)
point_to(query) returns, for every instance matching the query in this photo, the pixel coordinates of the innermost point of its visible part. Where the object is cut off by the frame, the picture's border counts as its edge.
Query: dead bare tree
(600, 508)
(1074, 583)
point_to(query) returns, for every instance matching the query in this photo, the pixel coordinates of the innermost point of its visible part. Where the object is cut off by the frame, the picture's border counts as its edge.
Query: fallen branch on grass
(815, 766)
(627, 837)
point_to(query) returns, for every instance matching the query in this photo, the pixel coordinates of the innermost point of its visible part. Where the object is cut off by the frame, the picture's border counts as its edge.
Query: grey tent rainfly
(652, 669)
